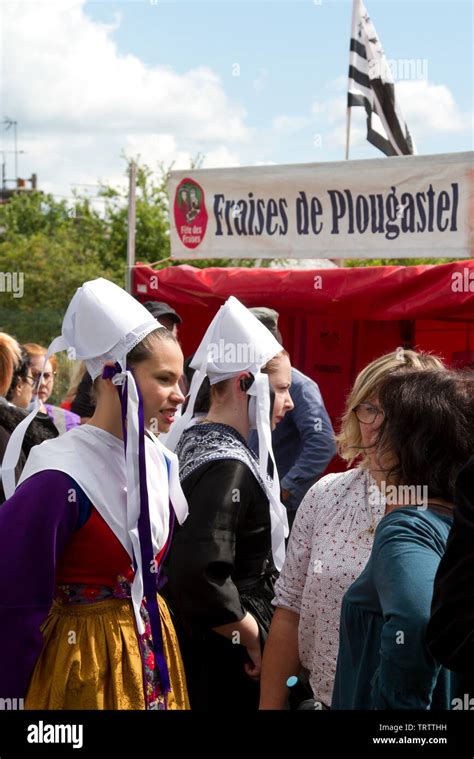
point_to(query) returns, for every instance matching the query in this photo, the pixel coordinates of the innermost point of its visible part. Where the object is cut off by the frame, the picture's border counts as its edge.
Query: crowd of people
(169, 538)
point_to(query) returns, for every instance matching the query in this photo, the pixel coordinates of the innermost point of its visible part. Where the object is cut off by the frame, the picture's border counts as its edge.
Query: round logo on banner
(190, 213)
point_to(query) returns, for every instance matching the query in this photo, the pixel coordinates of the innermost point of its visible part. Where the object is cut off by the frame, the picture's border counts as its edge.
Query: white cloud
(429, 108)
(331, 110)
(63, 69)
(220, 157)
(79, 102)
(330, 118)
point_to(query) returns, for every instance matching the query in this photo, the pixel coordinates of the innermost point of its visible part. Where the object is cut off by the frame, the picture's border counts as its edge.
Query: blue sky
(160, 80)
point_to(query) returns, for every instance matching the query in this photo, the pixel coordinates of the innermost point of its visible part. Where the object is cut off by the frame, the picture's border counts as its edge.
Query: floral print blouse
(329, 546)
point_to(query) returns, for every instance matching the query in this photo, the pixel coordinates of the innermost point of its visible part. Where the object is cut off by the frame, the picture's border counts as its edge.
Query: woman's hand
(249, 636)
(254, 667)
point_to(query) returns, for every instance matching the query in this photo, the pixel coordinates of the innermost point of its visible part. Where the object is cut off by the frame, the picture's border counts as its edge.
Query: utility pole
(131, 225)
(5, 192)
(11, 123)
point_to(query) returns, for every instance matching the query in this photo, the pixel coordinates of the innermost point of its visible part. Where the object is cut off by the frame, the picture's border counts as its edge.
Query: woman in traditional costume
(83, 536)
(220, 566)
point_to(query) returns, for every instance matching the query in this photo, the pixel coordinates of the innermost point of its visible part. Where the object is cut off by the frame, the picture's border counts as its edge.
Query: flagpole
(131, 227)
(348, 110)
(348, 113)
(348, 132)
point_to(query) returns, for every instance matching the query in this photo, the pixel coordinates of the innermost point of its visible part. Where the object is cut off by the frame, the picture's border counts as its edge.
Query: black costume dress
(220, 565)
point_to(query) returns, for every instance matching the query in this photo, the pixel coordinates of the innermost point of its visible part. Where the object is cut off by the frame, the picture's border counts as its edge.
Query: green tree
(51, 269)
(152, 227)
(352, 262)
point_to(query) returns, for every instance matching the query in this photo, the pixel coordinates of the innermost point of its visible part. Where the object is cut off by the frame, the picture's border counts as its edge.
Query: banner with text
(407, 207)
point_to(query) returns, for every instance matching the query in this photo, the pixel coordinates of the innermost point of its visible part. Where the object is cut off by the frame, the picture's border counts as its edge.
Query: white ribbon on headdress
(260, 390)
(133, 494)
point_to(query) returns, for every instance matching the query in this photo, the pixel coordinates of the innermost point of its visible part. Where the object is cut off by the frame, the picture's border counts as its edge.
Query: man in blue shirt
(303, 442)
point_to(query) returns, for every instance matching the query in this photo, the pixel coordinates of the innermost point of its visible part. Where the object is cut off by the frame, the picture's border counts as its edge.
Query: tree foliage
(57, 246)
(352, 262)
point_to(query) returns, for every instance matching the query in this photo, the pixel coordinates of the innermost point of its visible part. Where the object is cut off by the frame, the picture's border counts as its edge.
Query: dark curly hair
(428, 428)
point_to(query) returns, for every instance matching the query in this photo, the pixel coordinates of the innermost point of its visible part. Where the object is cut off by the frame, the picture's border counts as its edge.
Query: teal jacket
(383, 660)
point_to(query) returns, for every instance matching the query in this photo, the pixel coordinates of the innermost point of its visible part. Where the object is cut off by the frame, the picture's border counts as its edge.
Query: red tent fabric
(372, 293)
(333, 321)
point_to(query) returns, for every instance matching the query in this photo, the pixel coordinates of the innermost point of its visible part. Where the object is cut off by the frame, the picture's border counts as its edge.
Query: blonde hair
(367, 385)
(33, 349)
(10, 357)
(77, 374)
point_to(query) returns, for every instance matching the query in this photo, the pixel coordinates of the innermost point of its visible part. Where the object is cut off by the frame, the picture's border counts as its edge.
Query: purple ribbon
(162, 578)
(150, 579)
(111, 371)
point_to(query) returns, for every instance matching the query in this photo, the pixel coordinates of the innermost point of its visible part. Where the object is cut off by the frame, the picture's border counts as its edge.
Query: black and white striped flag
(371, 86)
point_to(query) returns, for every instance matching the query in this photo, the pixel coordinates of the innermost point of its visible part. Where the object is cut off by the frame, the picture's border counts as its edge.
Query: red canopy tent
(333, 321)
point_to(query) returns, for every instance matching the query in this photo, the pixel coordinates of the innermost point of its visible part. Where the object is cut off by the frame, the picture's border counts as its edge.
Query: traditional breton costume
(83, 537)
(220, 564)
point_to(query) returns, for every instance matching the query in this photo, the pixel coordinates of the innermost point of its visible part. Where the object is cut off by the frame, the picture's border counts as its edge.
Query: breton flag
(371, 86)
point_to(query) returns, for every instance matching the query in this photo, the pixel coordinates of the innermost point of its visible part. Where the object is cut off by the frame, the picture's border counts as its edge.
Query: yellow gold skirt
(91, 659)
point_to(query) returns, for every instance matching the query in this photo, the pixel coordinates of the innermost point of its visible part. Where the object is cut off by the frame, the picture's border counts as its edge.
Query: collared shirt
(329, 546)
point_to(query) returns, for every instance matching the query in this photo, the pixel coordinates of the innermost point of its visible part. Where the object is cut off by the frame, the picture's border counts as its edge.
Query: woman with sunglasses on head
(63, 419)
(425, 439)
(330, 544)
